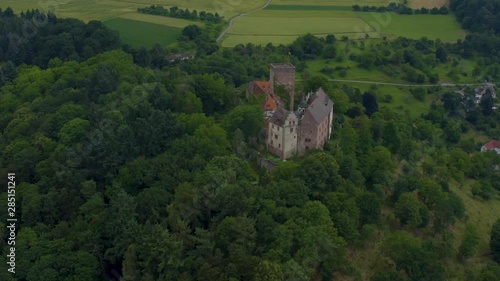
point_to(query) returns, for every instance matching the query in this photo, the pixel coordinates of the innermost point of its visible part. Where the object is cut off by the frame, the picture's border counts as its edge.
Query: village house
(291, 132)
(481, 91)
(478, 93)
(491, 145)
(258, 88)
(181, 56)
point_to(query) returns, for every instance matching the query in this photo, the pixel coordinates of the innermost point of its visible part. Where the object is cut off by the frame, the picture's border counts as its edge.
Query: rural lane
(444, 84)
(231, 22)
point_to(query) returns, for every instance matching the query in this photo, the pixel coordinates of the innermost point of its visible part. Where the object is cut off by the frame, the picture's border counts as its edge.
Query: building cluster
(477, 93)
(294, 130)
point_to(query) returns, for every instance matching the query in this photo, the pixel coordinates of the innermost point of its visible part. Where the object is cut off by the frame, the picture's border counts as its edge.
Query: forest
(130, 167)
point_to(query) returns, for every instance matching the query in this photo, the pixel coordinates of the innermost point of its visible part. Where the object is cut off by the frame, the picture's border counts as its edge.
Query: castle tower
(283, 74)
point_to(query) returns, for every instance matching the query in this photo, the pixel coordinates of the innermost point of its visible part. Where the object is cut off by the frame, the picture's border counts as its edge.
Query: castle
(293, 131)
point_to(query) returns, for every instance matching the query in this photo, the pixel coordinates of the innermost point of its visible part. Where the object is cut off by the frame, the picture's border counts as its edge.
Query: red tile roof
(492, 144)
(270, 103)
(263, 85)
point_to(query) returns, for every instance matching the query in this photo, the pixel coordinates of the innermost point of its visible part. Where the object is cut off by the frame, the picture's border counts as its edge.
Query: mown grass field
(336, 17)
(133, 32)
(274, 23)
(166, 21)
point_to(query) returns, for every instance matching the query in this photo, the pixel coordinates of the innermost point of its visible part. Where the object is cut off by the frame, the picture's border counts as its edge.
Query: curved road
(231, 22)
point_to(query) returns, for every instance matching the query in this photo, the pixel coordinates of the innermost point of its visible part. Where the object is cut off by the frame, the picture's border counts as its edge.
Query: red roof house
(258, 88)
(491, 145)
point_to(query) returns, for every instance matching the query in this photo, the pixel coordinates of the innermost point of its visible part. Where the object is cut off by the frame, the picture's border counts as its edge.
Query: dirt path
(444, 84)
(231, 22)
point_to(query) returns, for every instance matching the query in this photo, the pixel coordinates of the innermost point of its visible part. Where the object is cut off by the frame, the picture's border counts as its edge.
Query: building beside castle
(293, 131)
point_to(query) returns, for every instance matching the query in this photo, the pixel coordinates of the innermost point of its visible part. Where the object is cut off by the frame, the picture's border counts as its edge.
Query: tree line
(402, 9)
(176, 12)
(34, 37)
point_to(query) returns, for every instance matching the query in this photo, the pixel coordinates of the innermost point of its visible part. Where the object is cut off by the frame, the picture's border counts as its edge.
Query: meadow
(283, 24)
(444, 27)
(280, 23)
(135, 29)
(133, 32)
(283, 20)
(417, 4)
(109, 9)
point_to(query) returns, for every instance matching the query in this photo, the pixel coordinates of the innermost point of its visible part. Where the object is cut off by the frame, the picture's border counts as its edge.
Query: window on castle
(291, 130)
(275, 136)
(272, 126)
(279, 145)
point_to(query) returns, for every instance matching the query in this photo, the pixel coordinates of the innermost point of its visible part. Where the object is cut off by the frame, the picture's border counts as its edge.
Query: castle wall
(282, 74)
(308, 134)
(282, 140)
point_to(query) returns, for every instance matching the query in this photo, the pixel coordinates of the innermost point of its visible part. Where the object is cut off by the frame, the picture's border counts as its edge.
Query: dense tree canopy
(131, 167)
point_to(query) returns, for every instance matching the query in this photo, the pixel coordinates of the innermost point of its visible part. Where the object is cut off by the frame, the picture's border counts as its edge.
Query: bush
(419, 94)
(327, 70)
(483, 189)
(388, 98)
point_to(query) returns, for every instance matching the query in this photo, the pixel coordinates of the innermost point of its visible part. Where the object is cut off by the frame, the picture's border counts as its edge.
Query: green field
(109, 9)
(166, 21)
(283, 26)
(284, 19)
(134, 28)
(444, 27)
(308, 8)
(133, 32)
(332, 2)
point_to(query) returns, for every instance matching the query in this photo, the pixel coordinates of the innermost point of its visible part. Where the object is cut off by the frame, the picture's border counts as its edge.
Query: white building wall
(290, 136)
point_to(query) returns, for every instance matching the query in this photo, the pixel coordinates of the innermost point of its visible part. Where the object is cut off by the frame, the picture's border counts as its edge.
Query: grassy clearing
(464, 69)
(403, 101)
(433, 27)
(172, 22)
(480, 213)
(353, 73)
(132, 32)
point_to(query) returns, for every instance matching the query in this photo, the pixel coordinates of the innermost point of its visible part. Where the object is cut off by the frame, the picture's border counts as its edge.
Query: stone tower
(283, 74)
